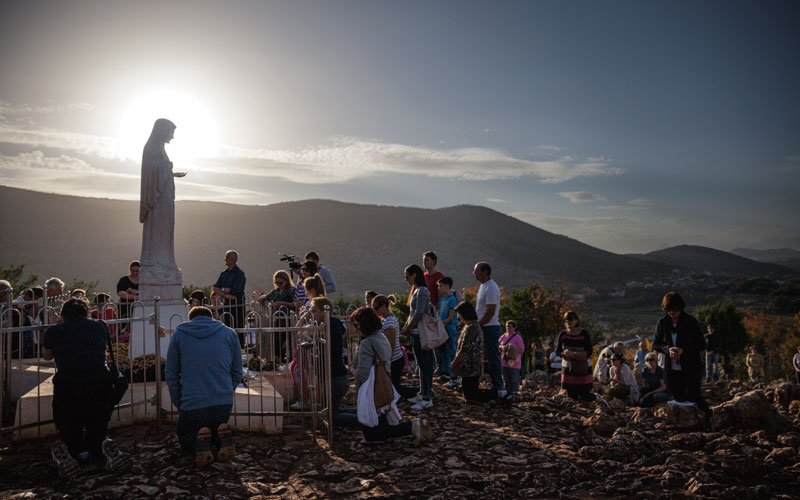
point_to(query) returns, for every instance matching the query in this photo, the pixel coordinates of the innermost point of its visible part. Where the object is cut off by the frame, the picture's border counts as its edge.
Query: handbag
(383, 391)
(116, 383)
(432, 332)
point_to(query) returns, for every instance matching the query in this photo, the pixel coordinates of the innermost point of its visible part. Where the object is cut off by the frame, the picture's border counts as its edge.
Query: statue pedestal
(171, 313)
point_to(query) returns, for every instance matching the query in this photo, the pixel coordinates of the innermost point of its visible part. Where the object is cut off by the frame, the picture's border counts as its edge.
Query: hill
(697, 258)
(366, 246)
(783, 256)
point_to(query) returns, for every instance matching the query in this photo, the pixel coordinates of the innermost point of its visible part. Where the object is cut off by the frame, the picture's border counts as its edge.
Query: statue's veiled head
(163, 131)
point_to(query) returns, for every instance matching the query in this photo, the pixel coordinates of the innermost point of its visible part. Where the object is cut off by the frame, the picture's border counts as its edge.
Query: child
(511, 348)
(447, 303)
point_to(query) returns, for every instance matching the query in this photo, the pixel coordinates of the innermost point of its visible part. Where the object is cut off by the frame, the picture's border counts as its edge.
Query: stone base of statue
(171, 313)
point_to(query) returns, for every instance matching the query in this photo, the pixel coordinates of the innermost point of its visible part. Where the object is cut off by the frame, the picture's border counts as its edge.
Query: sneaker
(297, 405)
(422, 404)
(115, 459)
(601, 400)
(227, 449)
(203, 456)
(414, 400)
(444, 378)
(451, 384)
(67, 466)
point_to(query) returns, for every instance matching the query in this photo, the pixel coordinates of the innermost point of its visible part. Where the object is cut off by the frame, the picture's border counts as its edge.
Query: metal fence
(286, 360)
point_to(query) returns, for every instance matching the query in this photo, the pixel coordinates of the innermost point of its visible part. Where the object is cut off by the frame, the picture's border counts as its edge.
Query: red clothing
(108, 314)
(430, 280)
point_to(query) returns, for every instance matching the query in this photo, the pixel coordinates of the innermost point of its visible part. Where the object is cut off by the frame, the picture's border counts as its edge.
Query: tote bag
(432, 332)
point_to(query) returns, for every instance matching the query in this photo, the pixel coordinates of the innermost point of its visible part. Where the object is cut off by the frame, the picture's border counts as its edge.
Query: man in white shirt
(488, 309)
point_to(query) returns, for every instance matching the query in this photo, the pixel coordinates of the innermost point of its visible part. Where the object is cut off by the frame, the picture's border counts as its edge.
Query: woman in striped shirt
(575, 347)
(390, 328)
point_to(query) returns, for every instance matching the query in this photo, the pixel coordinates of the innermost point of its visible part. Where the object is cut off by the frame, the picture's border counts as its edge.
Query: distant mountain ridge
(698, 258)
(366, 246)
(782, 256)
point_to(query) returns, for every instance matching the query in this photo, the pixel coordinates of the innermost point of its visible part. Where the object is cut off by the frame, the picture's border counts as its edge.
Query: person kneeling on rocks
(622, 383)
(655, 389)
(80, 402)
(204, 366)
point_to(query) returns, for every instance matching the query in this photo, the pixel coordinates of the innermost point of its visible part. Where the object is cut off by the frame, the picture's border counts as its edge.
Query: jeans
(384, 431)
(446, 353)
(511, 379)
(655, 398)
(397, 375)
(191, 421)
(491, 338)
(425, 363)
(472, 394)
(342, 417)
(712, 362)
(76, 409)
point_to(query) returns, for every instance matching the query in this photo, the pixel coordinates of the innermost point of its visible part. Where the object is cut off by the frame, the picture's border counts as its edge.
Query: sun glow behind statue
(196, 135)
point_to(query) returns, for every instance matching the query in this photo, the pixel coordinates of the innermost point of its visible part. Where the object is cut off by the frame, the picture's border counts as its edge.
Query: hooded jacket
(204, 364)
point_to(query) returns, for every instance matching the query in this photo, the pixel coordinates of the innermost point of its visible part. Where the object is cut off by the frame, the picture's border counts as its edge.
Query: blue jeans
(342, 417)
(658, 397)
(425, 363)
(511, 379)
(491, 339)
(446, 353)
(191, 421)
(712, 362)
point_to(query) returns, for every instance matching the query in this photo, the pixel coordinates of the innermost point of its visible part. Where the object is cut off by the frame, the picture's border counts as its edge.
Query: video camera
(294, 264)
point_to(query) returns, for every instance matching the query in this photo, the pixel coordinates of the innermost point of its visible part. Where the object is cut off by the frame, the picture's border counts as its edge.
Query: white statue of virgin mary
(157, 209)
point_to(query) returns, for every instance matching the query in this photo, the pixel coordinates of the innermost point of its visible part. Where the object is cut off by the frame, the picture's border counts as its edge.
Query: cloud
(676, 221)
(582, 196)
(74, 176)
(495, 200)
(636, 204)
(103, 147)
(791, 164)
(344, 159)
(25, 113)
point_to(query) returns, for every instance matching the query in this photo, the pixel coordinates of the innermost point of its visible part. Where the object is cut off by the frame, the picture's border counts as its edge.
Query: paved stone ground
(546, 446)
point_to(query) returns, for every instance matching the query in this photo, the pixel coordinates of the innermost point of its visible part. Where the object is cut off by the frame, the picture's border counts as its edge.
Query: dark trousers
(191, 421)
(686, 387)
(342, 417)
(81, 417)
(397, 375)
(384, 431)
(491, 338)
(425, 362)
(798, 377)
(472, 394)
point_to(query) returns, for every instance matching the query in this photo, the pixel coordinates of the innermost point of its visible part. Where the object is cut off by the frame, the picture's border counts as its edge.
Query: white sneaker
(297, 405)
(422, 404)
(451, 384)
(414, 399)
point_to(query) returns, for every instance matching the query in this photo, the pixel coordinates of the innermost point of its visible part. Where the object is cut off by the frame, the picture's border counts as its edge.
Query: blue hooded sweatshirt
(204, 364)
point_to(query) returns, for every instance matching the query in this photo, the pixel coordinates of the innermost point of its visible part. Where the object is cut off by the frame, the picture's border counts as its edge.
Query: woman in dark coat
(678, 336)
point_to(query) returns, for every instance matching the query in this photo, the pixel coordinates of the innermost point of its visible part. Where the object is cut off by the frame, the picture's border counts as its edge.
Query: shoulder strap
(108, 342)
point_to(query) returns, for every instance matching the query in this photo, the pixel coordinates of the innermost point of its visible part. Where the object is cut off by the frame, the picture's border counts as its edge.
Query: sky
(630, 126)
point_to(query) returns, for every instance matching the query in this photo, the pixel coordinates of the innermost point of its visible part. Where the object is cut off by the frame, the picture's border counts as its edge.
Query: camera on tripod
(294, 264)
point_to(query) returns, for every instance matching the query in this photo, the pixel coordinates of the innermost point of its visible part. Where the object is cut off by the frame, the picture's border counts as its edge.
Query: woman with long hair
(374, 350)
(419, 300)
(389, 328)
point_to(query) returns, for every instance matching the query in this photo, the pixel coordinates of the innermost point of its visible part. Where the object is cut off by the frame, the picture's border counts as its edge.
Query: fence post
(328, 367)
(157, 333)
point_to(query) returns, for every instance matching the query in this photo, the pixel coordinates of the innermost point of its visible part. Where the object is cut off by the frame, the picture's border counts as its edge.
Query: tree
(727, 324)
(89, 286)
(776, 341)
(188, 289)
(15, 276)
(537, 311)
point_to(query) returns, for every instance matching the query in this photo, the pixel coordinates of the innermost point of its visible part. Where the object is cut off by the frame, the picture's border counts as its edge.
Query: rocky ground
(546, 446)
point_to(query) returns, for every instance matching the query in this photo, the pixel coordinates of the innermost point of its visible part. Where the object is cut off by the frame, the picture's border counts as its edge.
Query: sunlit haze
(628, 126)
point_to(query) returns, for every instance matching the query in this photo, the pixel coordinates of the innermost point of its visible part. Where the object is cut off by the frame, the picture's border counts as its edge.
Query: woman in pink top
(511, 348)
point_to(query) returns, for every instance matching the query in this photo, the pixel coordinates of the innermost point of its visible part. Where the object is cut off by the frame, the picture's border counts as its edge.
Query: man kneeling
(204, 366)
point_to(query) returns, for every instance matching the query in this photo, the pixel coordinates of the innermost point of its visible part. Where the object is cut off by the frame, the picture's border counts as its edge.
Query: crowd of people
(475, 356)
